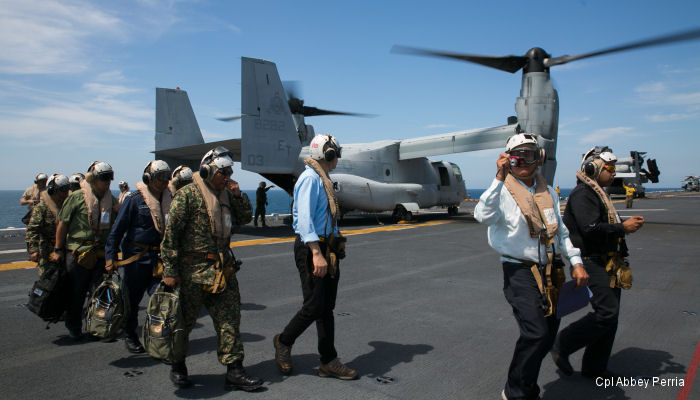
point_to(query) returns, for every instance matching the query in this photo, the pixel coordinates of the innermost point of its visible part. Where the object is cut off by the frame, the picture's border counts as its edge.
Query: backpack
(108, 309)
(165, 333)
(49, 296)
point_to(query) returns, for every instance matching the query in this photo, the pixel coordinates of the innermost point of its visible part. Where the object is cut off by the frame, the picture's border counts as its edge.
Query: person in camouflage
(41, 229)
(196, 254)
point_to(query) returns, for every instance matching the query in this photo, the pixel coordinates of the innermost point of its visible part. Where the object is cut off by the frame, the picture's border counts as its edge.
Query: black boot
(236, 378)
(178, 374)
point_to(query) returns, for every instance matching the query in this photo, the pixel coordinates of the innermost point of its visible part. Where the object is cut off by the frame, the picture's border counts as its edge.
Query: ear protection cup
(89, 177)
(589, 169)
(329, 155)
(542, 157)
(50, 190)
(146, 177)
(205, 171)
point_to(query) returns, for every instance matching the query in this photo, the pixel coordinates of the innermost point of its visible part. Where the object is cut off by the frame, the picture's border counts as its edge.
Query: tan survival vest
(617, 267)
(159, 208)
(541, 218)
(334, 244)
(99, 211)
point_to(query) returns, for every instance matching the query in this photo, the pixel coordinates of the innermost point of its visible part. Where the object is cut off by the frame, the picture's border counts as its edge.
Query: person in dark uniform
(138, 231)
(261, 202)
(596, 228)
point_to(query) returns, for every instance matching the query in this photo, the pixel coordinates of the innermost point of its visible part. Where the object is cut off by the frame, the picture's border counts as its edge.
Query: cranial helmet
(101, 170)
(156, 169)
(40, 177)
(213, 161)
(123, 185)
(182, 174)
(57, 182)
(324, 147)
(594, 160)
(520, 139)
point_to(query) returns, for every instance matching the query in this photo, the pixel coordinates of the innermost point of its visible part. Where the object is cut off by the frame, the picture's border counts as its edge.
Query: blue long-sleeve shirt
(133, 224)
(310, 212)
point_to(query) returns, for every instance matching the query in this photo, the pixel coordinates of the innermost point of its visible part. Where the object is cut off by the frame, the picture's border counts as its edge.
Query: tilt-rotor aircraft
(392, 175)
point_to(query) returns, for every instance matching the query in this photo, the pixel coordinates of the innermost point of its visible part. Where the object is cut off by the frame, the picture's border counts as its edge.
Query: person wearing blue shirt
(138, 231)
(315, 213)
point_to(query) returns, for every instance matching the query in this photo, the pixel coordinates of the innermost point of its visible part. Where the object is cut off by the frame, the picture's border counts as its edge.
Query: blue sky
(78, 78)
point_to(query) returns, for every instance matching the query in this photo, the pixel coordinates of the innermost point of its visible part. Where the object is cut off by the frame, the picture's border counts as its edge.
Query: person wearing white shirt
(520, 210)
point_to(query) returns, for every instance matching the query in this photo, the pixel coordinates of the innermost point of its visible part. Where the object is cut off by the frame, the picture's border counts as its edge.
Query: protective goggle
(64, 188)
(522, 157)
(106, 176)
(227, 172)
(162, 176)
(609, 167)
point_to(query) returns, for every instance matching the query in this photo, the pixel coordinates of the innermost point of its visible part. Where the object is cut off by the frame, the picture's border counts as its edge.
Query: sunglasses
(609, 168)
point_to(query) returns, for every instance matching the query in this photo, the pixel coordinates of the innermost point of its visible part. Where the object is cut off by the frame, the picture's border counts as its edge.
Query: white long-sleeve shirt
(508, 231)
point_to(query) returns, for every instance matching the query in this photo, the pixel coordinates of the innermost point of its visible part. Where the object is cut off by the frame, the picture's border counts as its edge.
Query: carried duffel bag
(49, 296)
(109, 308)
(165, 333)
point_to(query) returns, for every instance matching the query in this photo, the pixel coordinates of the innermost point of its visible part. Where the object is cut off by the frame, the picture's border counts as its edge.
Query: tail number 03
(256, 159)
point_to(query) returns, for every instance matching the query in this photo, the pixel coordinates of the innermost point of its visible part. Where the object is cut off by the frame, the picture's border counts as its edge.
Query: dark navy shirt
(133, 224)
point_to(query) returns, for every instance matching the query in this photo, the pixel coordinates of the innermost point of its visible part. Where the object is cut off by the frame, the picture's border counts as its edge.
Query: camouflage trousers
(224, 309)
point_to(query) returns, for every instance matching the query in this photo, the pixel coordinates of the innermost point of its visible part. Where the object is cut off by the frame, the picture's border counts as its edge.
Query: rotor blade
(676, 37)
(507, 63)
(229, 119)
(313, 112)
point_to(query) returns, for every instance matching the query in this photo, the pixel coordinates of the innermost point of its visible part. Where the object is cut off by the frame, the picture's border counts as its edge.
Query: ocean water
(11, 213)
(279, 203)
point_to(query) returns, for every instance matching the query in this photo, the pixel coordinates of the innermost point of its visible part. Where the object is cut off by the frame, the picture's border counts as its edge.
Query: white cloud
(651, 87)
(605, 134)
(50, 36)
(671, 117)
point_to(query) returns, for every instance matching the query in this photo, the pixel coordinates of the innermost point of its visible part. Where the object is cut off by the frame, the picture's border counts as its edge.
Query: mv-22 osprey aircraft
(378, 176)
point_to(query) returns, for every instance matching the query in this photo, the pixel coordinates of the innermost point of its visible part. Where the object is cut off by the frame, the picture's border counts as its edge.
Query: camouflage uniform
(41, 234)
(189, 231)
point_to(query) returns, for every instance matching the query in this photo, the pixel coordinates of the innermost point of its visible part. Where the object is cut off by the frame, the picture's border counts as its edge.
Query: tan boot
(283, 355)
(336, 369)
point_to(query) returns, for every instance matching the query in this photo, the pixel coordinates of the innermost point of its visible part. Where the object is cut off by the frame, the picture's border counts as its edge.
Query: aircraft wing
(195, 152)
(456, 142)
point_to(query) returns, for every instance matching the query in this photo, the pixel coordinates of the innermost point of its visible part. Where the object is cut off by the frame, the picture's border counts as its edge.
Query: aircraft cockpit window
(387, 172)
(457, 172)
(444, 176)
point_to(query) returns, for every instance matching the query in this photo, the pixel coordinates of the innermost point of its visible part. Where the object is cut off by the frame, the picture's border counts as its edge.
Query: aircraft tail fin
(270, 143)
(176, 125)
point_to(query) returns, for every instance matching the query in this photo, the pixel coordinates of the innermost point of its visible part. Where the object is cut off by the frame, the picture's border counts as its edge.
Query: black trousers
(319, 302)
(596, 330)
(260, 211)
(83, 282)
(537, 333)
(138, 278)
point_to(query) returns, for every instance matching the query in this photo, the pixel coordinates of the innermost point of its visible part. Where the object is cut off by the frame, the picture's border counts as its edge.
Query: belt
(202, 255)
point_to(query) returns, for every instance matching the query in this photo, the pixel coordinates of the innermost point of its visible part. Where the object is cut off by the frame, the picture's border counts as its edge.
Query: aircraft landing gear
(452, 210)
(401, 214)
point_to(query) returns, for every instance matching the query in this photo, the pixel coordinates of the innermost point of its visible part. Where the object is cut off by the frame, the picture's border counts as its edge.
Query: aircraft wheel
(452, 210)
(400, 213)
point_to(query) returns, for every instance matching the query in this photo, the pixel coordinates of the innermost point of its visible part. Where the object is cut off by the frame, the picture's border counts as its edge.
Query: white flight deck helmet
(40, 177)
(182, 174)
(594, 160)
(156, 169)
(123, 185)
(520, 139)
(324, 147)
(99, 169)
(213, 161)
(57, 182)
(75, 181)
